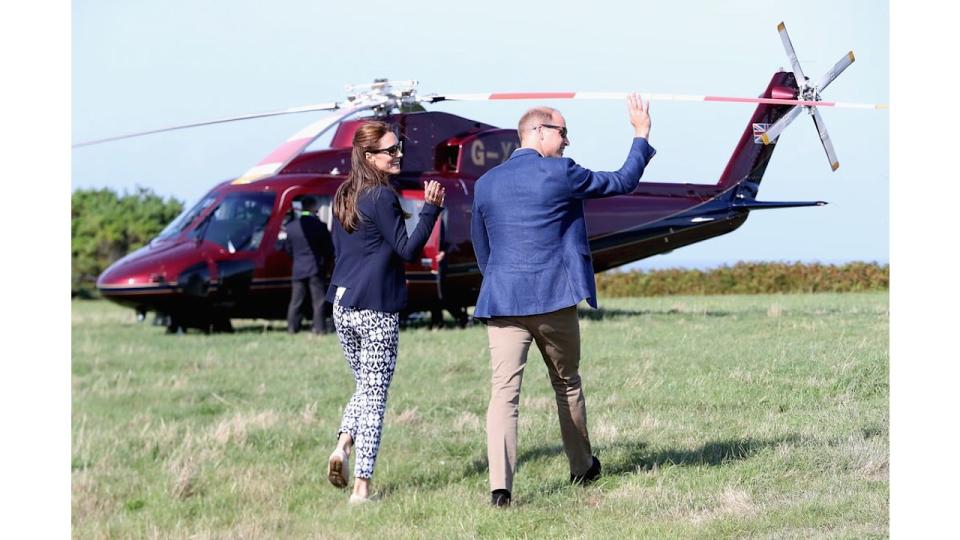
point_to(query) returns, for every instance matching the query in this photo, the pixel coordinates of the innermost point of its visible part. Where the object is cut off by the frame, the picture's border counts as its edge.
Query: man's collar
(524, 151)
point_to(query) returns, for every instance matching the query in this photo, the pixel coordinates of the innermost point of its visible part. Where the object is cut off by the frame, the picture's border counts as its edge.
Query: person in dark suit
(530, 239)
(368, 290)
(310, 245)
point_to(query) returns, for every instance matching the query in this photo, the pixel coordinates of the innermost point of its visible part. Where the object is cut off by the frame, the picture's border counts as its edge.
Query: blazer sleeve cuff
(430, 210)
(643, 146)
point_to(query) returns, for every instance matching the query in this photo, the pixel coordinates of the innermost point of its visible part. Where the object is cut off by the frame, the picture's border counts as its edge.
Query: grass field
(727, 416)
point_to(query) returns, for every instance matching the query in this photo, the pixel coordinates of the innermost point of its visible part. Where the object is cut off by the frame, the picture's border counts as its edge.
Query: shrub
(747, 278)
(106, 226)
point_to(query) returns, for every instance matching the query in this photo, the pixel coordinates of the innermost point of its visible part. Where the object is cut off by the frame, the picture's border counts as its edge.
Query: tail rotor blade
(825, 139)
(837, 69)
(792, 55)
(294, 110)
(777, 128)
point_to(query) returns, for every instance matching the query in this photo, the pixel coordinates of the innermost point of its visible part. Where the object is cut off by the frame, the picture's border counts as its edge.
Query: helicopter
(223, 258)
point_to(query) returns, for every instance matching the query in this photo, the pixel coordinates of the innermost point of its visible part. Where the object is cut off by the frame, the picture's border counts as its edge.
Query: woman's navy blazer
(369, 261)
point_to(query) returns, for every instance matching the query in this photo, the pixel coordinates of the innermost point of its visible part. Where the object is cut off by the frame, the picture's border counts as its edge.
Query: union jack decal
(758, 131)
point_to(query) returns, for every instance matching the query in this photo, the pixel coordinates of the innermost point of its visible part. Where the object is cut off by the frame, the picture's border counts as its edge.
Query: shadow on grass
(262, 328)
(613, 314)
(630, 457)
(636, 456)
(618, 459)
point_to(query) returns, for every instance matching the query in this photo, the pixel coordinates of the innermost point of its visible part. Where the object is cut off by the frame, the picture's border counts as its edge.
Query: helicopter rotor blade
(792, 55)
(293, 110)
(299, 141)
(825, 139)
(837, 69)
(777, 128)
(503, 96)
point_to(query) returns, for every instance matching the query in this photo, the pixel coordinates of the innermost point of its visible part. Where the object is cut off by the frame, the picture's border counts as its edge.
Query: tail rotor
(808, 93)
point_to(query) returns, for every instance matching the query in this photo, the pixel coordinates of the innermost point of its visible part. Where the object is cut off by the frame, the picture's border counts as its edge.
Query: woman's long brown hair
(363, 175)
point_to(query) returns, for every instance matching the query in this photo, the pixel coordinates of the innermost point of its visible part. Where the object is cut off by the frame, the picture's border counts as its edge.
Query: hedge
(747, 278)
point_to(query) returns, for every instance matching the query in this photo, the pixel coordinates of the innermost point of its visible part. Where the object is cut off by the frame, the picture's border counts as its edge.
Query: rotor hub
(809, 93)
(385, 95)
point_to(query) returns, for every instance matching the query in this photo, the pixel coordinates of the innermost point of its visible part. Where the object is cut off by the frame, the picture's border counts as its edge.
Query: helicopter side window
(238, 223)
(324, 209)
(324, 212)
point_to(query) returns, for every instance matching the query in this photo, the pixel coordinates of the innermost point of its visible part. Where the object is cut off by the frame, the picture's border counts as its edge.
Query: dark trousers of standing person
(318, 290)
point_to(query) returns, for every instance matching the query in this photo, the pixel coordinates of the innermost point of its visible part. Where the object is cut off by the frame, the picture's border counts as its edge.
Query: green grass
(736, 416)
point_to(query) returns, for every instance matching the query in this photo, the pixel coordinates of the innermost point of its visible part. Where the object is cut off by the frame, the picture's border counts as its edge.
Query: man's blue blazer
(529, 233)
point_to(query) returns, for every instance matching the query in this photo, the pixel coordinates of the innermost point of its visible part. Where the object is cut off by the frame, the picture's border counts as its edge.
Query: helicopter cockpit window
(239, 222)
(185, 218)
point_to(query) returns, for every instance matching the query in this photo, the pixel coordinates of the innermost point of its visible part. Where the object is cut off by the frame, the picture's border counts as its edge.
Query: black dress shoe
(500, 498)
(592, 474)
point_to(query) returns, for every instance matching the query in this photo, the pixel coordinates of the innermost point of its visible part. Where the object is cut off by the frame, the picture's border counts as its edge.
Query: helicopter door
(230, 237)
(429, 263)
(272, 286)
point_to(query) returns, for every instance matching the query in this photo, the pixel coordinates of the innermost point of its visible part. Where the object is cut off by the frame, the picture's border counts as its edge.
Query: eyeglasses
(392, 150)
(561, 129)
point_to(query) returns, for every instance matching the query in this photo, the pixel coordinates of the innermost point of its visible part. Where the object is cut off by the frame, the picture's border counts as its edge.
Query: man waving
(531, 244)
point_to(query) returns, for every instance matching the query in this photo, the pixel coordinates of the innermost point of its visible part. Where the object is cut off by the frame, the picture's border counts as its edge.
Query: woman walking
(368, 290)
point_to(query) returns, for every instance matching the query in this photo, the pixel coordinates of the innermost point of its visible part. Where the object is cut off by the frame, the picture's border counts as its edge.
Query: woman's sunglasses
(391, 150)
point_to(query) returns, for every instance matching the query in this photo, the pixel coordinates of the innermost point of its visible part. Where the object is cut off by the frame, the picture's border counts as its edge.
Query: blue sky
(140, 65)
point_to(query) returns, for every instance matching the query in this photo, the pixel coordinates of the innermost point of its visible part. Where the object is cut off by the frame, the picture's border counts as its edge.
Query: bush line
(747, 278)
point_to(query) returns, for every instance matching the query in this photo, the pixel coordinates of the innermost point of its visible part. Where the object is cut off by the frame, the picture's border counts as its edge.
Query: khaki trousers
(557, 335)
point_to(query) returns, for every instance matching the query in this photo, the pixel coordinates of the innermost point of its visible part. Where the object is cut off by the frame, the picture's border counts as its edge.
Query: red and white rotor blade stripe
(825, 139)
(298, 142)
(648, 96)
(293, 110)
(837, 69)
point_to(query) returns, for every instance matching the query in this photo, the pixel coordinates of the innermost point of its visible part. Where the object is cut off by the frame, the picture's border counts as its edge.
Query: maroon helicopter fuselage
(223, 258)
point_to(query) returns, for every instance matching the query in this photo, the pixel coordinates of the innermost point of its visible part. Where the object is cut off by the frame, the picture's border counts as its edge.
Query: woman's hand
(433, 193)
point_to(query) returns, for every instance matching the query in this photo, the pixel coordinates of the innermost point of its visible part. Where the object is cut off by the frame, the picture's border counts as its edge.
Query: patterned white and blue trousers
(369, 340)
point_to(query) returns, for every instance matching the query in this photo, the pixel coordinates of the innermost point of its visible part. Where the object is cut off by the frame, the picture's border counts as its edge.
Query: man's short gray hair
(533, 118)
